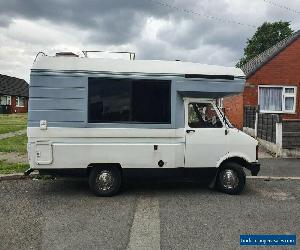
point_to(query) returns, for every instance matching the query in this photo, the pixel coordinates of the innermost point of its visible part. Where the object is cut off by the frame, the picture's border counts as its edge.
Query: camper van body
(87, 113)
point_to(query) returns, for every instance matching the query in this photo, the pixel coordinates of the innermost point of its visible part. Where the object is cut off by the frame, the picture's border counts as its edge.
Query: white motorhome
(110, 116)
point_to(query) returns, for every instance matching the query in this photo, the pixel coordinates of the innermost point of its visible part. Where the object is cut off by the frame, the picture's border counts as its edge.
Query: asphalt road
(63, 214)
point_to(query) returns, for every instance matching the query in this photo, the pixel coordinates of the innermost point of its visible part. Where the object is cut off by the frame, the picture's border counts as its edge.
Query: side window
(203, 115)
(129, 101)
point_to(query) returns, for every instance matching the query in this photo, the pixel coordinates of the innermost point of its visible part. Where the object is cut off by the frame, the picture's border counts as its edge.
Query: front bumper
(254, 168)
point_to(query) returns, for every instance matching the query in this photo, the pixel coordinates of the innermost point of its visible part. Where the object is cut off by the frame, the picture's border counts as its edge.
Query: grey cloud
(81, 13)
(112, 21)
(234, 39)
(117, 29)
(4, 21)
(121, 23)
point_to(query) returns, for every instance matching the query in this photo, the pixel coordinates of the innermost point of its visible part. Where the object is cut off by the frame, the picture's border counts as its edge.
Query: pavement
(64, 214)
(12, 134)
(263, 153)
(13, 157)
(278, 167)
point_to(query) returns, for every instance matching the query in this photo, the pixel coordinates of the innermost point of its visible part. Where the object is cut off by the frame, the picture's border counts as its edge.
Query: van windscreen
(129, 101)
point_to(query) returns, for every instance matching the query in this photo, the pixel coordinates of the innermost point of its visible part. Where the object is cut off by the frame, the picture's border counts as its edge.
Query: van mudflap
(254, 168)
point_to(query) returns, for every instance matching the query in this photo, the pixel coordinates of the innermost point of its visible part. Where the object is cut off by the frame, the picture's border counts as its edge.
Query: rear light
(256, 152)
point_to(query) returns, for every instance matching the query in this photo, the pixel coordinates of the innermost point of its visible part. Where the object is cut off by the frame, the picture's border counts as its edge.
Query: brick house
(13, 95)
(272, 82)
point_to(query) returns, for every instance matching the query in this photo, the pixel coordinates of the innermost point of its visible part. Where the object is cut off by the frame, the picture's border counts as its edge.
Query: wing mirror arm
(225, 121)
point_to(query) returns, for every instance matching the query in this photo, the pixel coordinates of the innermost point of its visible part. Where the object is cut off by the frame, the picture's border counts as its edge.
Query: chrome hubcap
(229, 179)
(105, 180)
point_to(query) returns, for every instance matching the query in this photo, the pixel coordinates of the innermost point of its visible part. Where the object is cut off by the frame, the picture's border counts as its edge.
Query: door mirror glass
(203, 115)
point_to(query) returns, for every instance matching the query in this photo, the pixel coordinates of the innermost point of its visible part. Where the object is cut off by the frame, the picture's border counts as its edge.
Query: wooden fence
(249, 116)
(266, 123)
(266, 126)
(291, 134)
(280, 136)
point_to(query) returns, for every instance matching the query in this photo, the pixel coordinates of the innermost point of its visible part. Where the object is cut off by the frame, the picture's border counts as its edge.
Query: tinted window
(127, 100)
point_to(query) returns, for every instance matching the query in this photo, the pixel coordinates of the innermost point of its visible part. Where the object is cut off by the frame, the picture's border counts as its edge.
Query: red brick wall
(15, 109)
(234, 109)
(283, 69)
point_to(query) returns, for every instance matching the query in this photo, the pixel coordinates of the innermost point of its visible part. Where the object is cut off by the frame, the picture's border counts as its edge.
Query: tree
(266, 36)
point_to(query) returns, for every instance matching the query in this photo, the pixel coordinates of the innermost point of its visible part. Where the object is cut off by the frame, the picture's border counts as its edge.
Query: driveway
(63, 214)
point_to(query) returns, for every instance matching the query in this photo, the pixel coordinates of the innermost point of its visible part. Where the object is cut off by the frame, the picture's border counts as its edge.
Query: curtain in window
(270, 99)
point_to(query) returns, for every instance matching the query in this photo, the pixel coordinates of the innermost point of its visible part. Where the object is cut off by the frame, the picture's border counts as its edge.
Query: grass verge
(10, 168)
(14, 144)
(12, 122)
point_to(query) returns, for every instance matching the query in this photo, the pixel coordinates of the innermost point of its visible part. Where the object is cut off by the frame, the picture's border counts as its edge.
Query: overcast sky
(151, 30)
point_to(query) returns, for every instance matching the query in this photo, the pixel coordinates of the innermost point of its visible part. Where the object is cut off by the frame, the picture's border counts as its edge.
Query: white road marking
(274, 177)
(145, 230)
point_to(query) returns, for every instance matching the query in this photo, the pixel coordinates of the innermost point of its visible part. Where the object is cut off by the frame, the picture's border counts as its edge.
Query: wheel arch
(96, 165)
(241, 161)
(238, 158)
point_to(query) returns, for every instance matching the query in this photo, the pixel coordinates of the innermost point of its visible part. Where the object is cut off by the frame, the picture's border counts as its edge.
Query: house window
(5, 100)
(129, 101)
(20, 102)
(273, 99)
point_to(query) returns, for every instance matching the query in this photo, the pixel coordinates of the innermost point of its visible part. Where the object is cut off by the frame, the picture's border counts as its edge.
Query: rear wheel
(105, 180)
(231, 178)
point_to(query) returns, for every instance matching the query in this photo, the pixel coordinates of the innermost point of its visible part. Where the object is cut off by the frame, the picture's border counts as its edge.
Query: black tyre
(105, 180)
(231, 178)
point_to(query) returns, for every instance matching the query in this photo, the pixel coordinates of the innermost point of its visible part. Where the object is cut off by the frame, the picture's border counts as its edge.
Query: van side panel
(131, 148)
(69, 141)
(127, 155)
(58, 100)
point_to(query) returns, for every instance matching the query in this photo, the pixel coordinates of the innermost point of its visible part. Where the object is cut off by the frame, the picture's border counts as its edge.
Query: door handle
(190, 130)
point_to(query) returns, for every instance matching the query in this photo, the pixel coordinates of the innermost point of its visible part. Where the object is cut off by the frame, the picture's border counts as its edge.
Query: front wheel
(231, 178)
(105, 180)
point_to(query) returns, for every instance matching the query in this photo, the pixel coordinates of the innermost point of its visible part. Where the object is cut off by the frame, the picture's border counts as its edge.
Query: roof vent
(68, 54)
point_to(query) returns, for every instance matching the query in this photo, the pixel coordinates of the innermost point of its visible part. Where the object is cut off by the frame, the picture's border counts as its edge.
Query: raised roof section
(119, 66)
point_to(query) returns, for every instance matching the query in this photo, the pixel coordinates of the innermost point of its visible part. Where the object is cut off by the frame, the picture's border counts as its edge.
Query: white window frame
(18, 102)
(8, 99)
(283, 111)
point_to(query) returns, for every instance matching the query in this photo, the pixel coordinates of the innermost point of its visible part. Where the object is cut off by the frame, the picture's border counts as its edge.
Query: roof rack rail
(37, 55)
(131, 54)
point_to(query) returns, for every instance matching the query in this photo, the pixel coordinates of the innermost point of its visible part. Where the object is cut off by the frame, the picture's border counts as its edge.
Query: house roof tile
(258, 61)
(13, 86)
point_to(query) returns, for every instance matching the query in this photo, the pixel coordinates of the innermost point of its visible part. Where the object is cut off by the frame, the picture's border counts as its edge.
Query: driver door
(206, 140)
